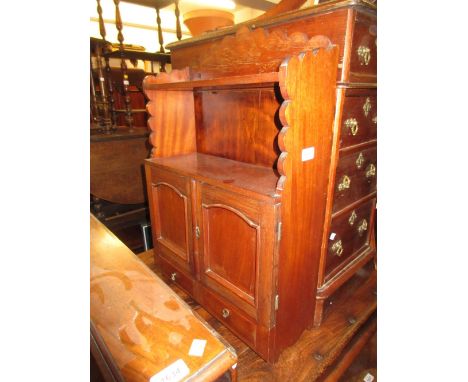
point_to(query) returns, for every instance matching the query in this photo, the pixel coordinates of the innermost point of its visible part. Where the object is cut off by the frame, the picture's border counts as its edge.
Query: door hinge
(276, 302)
(278, 230)
(197, 232)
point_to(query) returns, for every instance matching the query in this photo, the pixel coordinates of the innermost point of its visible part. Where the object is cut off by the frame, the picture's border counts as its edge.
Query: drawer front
(172, 217)
(229, 314)
(363, 62)
(173, 274)
(356, 176)
(359, 119)
(349, 234)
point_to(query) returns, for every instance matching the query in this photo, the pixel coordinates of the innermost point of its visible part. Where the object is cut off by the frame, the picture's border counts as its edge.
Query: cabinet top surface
(327, 6)
(222, 172)
(144, 324)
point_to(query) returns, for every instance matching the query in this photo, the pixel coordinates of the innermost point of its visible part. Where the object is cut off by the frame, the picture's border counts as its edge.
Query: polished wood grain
(245, 178)
(140, 322)
(362, 180)
(310, 78)
(251, 136)
(352, 231)
(356, 102)
(116, 166)
(320, 352)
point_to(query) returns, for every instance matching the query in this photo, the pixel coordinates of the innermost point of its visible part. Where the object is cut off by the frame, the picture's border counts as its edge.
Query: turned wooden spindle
(95, 112)
(108, 77)
(106, 119)
(177, 15)
(160, 34)
(123, 66)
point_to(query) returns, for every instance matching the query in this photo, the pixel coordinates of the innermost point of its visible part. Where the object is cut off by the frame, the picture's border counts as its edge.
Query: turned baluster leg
(123, 66)
(108, 78)
(177, 15)
(95, 111)
(160, 34)
(106, 119)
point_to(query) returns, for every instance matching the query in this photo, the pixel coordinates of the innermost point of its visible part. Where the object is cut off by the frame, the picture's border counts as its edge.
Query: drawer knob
(364, 55)
(173, 276)
(352, 218)
(370, 171)
(367, 106)
(226, 313)
(337, 248)
(362, 227)
(345, 183)
(360, 160)
(352, 125)
(197, 232)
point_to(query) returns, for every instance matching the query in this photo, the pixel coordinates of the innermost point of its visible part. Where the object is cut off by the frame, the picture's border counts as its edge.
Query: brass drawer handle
(226, 313)
(337, 248)
(362, 227)
(352, 125)
(364, 55)
(367, 106)
(352, 218)
(173, 276)
(360, 160)
(344, 183)
(370, 171)
(197, 232)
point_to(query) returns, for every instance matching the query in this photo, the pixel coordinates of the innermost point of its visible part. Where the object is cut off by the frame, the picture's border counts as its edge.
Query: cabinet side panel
(308, 85)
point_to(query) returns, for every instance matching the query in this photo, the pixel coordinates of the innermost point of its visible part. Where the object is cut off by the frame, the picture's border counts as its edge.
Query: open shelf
(262, 79)
(222, 172)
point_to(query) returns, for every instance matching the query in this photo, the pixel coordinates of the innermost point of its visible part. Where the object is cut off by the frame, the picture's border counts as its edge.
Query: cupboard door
(172, 215)
(235, 259)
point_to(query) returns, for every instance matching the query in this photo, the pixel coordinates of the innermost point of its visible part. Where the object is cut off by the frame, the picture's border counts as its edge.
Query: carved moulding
(254, 51)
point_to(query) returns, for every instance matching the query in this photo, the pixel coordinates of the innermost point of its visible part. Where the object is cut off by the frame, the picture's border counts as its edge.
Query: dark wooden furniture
(140, 328)
(262, 182)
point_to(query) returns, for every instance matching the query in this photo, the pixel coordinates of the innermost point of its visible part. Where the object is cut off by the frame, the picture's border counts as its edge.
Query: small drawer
(232, 317)
(359, 118)
(363, 61)
(356, 176)
(173, 274)
(349, 233)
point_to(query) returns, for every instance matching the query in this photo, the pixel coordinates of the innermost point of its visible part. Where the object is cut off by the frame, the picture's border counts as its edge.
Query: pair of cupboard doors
(219, 245)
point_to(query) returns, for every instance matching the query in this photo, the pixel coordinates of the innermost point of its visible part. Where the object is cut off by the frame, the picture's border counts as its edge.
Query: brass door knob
(225, 313)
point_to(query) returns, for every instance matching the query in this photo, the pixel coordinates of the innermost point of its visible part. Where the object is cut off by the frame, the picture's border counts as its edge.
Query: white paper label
(173, 373)
(332, 235)
(198, 348)
(368, 378)
(308, 153)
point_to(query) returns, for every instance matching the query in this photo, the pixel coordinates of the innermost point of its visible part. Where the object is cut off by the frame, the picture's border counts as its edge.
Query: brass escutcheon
(345, 183)
(367, 106)
(352, 125)
(173, 276)
(360, 160)
(337, 248)
(364, 55)
(362, 226)
(370, 171)
(225, 313)
(352, 217)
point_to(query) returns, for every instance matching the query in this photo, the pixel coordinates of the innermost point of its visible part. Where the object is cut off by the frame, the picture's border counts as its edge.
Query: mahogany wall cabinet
(262, 180)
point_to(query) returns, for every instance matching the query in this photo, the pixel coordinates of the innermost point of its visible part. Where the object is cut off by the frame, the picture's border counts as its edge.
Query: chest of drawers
(262, 181)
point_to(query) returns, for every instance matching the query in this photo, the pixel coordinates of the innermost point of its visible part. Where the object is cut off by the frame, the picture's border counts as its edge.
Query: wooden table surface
(141, 326)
